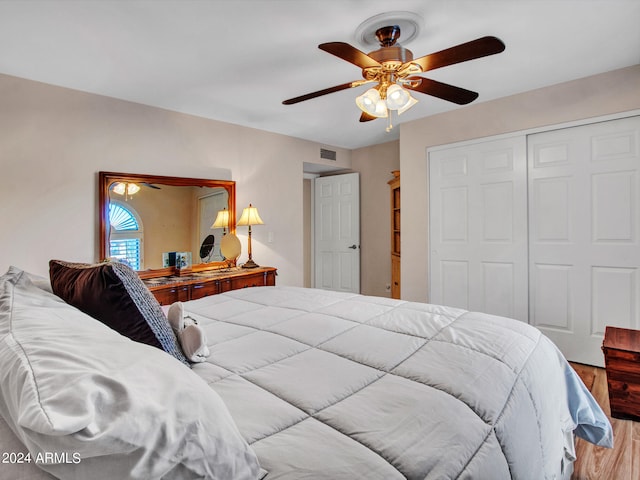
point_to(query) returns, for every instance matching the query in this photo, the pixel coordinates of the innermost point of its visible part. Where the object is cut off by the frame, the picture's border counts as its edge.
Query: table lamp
(250, 217)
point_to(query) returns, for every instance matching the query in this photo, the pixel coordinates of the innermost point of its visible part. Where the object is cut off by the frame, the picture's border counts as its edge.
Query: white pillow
(39, 281)
(90, 403)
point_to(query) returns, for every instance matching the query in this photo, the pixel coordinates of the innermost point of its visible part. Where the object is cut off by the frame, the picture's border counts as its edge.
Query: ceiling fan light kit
(396, 72)
(370, 102)
(397, 97)
(379, 104)
(122, 188)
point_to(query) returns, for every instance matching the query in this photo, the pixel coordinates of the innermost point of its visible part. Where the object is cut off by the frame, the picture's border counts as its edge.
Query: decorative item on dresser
(178, 288)
(250, 216)
(222, 220)
(395, 234)
(621, 347)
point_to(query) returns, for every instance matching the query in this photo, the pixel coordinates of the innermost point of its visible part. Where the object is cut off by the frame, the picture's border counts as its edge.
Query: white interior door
(337, 232)
(478, 227)
(209, 206)
(584, 184)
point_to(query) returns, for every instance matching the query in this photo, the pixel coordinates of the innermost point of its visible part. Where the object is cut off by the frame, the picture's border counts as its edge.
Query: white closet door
(478, 227)
(584, 215)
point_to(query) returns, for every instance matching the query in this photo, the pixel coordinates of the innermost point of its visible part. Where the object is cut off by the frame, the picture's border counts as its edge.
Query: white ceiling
(236, 60)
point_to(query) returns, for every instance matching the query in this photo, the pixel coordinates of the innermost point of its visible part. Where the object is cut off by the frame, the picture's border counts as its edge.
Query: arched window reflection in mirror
(126, 236)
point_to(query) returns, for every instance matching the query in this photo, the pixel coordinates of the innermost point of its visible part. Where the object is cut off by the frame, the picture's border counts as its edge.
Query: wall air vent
(327, 154)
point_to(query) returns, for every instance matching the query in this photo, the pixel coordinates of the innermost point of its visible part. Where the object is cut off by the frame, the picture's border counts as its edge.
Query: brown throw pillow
(113, 293)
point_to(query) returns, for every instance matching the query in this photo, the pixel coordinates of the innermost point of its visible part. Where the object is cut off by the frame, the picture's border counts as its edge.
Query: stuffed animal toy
(190, 335)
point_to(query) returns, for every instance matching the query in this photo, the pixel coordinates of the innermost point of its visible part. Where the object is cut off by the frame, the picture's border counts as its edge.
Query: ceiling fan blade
(478, 48)
(319, 93)
(350, 54)
(441, 90)
(326, 91)
(365, 117)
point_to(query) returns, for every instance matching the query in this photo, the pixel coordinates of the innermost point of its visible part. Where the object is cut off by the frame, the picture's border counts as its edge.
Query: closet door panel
(584, 217)
(478, 227)
(550, 299)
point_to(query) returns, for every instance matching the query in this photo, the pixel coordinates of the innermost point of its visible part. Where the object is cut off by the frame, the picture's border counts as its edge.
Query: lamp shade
(250, 216)
(129, 188)
(412, 101)
(371, 103)
(222, 220)
(397, 97)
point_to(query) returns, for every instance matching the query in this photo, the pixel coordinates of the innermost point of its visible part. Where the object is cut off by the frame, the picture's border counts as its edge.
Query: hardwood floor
(597, 463)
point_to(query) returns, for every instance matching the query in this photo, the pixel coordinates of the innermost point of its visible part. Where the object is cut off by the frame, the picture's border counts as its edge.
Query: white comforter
(327, 385)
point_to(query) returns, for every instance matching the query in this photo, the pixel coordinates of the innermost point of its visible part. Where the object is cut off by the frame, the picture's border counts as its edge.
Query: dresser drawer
(624, 399)
(169, 295)
(621, 356)
(257, 280)
(204, 289)
(225, 285)
(622, 366)
(629, 376)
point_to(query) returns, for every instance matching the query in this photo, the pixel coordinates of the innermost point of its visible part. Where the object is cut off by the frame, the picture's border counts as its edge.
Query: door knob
(353, 247)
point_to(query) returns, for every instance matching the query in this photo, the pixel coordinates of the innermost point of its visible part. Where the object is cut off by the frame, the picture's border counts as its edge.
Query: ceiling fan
(130, 188)
(396, 72)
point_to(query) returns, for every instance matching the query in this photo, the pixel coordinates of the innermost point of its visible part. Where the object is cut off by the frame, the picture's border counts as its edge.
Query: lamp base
(250, 264)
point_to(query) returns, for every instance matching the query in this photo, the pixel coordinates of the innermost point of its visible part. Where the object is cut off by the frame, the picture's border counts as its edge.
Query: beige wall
(375, 164)
(608, 93)
(53, 141)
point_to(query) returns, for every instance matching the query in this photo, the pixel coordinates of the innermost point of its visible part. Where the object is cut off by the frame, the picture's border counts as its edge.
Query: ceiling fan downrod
(388, 36)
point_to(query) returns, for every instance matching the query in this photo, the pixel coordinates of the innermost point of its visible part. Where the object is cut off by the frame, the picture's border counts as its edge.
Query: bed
(301, 384)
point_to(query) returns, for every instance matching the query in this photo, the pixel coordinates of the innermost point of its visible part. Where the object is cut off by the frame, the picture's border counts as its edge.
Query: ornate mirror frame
(106, 179)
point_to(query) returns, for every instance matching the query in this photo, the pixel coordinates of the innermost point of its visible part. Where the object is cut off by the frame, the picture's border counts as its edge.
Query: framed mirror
(156, 223)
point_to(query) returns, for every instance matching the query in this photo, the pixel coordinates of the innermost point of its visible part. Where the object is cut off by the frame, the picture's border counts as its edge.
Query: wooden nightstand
(621, 348)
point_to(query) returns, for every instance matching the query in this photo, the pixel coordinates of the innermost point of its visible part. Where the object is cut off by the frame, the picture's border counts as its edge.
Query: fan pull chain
(389, 126)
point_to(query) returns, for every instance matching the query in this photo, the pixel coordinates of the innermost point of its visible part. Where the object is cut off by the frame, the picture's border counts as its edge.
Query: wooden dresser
(621, 348)
(168, 290)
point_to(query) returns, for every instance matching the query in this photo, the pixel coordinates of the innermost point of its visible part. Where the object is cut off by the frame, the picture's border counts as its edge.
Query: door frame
(312, 220)
(314, 177)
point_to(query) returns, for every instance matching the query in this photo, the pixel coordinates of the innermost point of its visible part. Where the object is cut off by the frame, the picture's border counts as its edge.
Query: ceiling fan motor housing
(390, 51)
(391, 58)
(397, 53)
